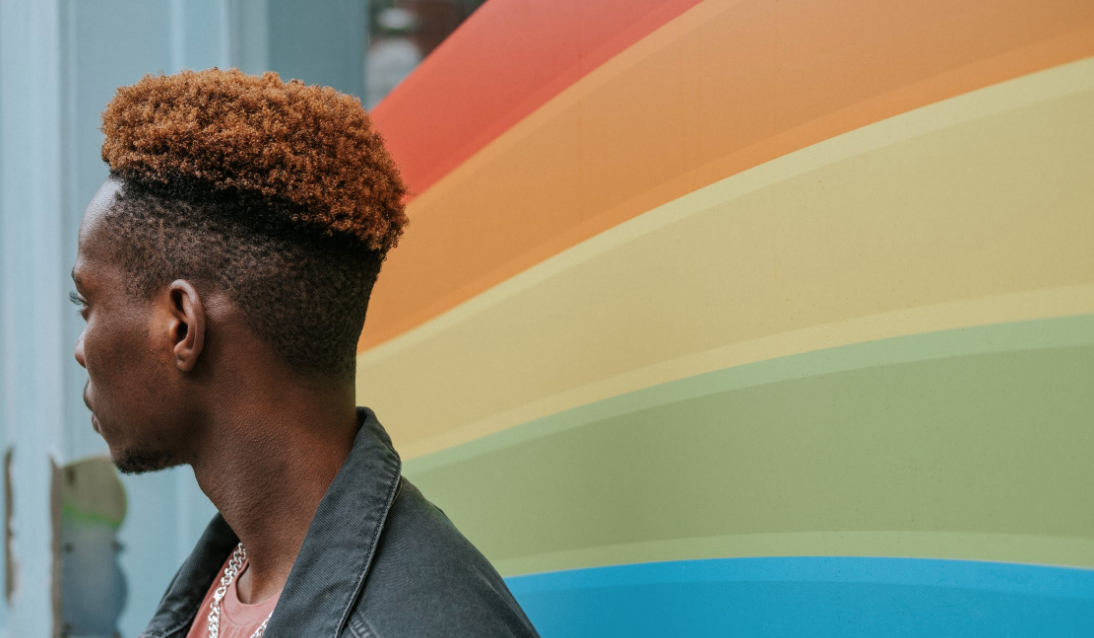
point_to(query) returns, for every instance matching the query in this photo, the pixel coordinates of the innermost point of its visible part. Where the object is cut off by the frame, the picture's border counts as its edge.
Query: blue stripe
(810, 596)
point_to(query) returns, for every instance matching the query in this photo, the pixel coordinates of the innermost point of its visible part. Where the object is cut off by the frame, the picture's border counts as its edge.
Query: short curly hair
(309, 145)
(280, 193)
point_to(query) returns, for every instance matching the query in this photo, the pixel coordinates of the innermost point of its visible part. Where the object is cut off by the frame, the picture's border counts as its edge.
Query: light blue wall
(60, 62)
(319, 46)
(33, 319)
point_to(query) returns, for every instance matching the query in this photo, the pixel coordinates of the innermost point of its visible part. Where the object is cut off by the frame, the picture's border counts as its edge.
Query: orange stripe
(724, 87)
(502, 64)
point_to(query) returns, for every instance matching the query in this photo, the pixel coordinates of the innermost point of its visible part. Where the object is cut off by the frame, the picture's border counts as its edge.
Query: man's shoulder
(428, 580)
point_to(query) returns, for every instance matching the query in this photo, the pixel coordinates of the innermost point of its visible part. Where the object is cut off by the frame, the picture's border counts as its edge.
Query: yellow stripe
(724, 87)
(974, 210)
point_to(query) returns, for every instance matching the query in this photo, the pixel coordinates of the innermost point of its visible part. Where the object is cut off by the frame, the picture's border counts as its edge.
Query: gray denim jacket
(379, 561)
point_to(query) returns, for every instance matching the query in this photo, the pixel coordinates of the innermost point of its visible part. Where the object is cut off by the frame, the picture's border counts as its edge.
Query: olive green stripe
(993, 338)
(981, 431)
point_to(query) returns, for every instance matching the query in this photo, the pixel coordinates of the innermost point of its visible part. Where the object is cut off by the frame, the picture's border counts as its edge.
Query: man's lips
(87, 402)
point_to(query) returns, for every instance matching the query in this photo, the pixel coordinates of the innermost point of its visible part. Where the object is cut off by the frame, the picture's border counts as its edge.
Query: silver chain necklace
(230, 572)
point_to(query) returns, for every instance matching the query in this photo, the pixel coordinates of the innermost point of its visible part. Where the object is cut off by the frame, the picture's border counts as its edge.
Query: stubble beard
(141, 462)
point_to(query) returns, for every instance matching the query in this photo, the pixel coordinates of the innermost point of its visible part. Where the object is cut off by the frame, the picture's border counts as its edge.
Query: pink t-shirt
(236, 619)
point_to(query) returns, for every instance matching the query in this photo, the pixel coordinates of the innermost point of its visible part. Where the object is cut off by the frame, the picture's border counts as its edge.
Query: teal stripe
(810, 597)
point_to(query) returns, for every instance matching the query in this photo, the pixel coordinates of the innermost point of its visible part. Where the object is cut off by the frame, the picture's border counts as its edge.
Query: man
(224, 271)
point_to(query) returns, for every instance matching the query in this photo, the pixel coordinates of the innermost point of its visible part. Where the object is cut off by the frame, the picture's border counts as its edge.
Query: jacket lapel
(187, 590)
(329, 571)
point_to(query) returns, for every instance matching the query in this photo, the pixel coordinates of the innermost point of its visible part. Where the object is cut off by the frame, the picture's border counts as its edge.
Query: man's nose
(80, 350)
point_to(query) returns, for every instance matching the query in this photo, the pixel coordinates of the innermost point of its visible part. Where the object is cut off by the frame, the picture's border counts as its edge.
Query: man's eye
(75, 298)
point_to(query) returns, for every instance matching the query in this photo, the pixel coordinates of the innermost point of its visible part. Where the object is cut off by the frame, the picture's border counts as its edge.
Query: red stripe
(506, 61)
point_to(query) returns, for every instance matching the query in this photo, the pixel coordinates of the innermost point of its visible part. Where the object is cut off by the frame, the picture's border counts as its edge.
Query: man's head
(244, 224)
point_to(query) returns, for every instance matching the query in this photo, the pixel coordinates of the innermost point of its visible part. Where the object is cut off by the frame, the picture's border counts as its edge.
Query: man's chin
(137, 462)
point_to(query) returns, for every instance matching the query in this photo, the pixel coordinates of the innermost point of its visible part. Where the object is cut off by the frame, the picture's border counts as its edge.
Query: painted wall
(714, 317)
(750, 317)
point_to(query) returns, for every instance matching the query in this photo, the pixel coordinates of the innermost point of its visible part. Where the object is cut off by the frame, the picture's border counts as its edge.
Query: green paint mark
(981, 431)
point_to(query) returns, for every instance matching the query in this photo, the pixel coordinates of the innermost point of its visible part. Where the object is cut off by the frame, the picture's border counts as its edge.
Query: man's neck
(267, 465)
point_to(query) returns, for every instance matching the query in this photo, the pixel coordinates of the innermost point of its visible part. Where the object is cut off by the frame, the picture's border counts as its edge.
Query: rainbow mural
(757, 317)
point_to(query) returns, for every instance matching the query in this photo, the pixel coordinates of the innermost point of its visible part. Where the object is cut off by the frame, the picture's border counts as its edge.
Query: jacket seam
(391, 493)
(358, 625)
(188, 619)
(170, 632)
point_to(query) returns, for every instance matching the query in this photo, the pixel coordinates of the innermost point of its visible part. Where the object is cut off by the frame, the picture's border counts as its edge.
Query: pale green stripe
(1007, 337)
(982, 431)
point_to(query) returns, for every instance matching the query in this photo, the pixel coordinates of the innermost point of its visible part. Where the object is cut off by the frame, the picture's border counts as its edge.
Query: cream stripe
(970, 211)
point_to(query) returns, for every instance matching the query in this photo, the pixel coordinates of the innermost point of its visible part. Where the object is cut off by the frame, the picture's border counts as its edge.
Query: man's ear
(187, 323)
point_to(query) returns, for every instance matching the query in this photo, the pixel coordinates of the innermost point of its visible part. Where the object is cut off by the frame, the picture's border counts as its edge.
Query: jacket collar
(329, 571)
